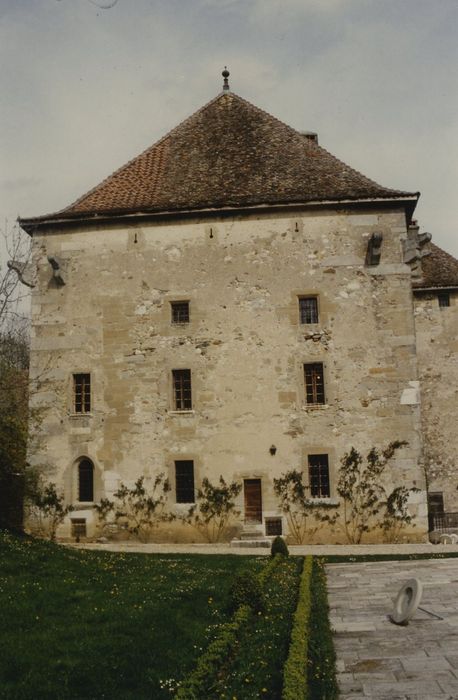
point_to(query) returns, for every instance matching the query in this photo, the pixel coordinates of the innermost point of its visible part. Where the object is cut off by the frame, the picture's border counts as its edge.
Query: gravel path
(316, 550)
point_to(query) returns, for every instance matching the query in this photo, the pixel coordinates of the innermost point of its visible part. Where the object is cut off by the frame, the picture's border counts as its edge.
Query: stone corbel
(58, 269)
(374, 249)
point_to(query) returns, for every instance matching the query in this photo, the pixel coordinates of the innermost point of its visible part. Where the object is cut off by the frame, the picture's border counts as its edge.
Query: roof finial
(225, 75)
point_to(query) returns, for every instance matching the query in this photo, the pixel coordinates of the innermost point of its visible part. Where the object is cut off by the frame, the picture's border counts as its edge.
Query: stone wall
(437, 351)
(244, 346)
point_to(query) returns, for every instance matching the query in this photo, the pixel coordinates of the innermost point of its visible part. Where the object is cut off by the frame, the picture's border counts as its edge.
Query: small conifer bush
(279, 546)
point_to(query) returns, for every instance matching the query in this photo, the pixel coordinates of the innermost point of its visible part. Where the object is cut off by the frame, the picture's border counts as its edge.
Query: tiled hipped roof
(439, 269)
(228, 154)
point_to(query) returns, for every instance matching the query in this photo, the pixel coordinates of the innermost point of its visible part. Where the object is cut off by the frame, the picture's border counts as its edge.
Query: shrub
(246, 590)
(47, 509)
(279, 546)
(295, 670)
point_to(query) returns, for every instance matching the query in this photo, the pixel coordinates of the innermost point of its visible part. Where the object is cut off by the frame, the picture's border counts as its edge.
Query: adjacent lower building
(436, 325)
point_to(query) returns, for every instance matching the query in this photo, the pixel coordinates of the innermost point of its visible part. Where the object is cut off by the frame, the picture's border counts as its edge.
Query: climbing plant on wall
(366, 504)
(135, 510)
(214, 508)
(303, 513)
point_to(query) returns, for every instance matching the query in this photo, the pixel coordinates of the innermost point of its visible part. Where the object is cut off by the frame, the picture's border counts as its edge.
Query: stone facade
(300, 277)
(437, 351)
(243, 274)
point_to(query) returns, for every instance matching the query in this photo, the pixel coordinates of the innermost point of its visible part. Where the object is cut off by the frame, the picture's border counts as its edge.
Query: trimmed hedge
(310, 670)
(295, 682)
(200, 683)
(322, 681)
(256, 667)
(269, 568)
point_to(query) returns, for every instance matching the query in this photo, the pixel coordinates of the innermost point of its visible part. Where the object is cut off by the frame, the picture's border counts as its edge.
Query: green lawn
(79, 624)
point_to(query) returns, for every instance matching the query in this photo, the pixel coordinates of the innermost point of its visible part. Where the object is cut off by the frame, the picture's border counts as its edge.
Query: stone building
(234, 301)
(436, 324)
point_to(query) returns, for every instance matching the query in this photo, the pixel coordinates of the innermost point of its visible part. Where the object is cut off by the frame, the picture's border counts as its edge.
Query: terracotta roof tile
(227, 154)
(439, 269)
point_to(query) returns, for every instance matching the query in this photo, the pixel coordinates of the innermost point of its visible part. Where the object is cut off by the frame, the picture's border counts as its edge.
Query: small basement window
(184, 481)
(314, 383)
(82, 393)
(274, 527)
(79, 527)
(319, 476)
(443, 298)
(182, 396)
(308, 309)
(180, 311)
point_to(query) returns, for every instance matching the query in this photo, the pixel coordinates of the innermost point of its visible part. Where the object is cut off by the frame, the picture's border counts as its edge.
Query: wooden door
(253, 500)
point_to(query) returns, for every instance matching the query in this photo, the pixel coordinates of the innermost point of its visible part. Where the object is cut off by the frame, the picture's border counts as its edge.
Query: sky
(85, 89)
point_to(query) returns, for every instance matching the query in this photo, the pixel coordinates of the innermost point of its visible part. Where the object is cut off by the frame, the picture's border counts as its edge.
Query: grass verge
(79, 624)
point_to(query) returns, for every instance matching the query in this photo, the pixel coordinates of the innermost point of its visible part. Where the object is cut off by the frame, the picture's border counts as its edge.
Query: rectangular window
(182, 389)
(319, 476)
(314, 383)
(82, 393)
(184, 481)
(443, 298)
(273, 527)
(180, 311)
(308, 309)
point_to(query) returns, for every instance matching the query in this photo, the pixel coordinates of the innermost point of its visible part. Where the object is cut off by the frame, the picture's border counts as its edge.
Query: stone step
(251, 534)
(256, 542)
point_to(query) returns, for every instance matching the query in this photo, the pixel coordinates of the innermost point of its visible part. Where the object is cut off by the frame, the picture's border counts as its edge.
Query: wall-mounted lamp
(272, 450)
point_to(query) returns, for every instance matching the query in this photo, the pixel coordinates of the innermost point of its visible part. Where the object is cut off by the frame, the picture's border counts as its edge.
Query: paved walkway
(377, 659)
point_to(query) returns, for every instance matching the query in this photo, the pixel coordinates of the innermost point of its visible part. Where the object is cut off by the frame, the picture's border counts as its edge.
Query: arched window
(85, 481)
